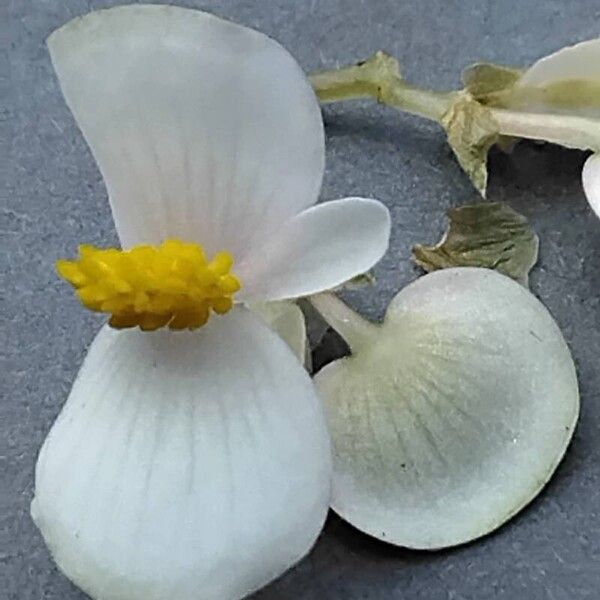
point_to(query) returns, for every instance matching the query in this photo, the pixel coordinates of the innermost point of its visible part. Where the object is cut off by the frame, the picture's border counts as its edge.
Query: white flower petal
(566, 82)
(287, 320)
(581, 61)
(184, 465)
(203, 130)
(317, 250)
(591, 181)
(450, 417)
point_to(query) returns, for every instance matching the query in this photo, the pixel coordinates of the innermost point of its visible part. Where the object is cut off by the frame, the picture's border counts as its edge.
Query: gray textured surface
(54, 198)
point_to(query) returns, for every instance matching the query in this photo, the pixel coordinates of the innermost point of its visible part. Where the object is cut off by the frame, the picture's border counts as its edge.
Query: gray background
(54, 198)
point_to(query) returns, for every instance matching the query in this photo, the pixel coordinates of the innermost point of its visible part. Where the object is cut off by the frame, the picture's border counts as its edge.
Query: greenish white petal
(565, 82)
(453, 414)
(579, 61)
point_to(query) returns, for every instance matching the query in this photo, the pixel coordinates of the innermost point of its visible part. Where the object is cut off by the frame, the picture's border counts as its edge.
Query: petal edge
(319, 249)
(590, 177)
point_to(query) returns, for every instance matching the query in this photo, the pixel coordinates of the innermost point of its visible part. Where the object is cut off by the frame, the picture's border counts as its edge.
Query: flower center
(170, 285)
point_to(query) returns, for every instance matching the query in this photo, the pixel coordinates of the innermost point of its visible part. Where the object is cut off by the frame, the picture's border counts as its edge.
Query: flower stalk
(379, 78)
(355, 329)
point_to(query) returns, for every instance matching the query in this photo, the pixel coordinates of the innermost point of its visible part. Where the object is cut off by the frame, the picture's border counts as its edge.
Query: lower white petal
(591, 181)
(184, 465)
(319, 249)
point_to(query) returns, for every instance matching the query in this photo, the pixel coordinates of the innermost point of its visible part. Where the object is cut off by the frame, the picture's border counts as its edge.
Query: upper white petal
(184, 465)
(203, 129)
(581, 61)
(317, 250)
(591, 181)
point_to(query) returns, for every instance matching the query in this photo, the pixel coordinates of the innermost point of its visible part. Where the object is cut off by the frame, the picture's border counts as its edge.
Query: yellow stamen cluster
(170, 285)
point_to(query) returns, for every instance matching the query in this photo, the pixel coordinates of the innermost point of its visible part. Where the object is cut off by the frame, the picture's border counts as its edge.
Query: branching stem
(379, 78)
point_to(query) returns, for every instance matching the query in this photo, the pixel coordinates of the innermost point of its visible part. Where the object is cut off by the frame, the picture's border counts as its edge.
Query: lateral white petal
(184, 465)
(287, 320)
(203, 130)
(450, 417)
(317, 250)
(580, 61)
(591, 181)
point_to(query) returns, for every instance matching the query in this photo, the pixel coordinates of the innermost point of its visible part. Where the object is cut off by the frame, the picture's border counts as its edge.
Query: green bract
(487, 234)
(471, 131)
(450, 416)
(489, 83)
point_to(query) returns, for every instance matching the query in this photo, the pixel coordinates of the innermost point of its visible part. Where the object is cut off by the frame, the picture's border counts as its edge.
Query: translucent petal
(203, 130)
(591, 181)
(580, 61)
(451, 416)
(565, 82)
(287, 320)
(319, 249)
(184, 465)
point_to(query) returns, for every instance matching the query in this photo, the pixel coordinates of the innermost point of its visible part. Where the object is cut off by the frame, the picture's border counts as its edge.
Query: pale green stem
(356, 330)
(379, 78)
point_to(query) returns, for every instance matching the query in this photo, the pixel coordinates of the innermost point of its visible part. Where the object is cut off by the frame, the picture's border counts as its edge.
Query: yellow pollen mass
(172, 285)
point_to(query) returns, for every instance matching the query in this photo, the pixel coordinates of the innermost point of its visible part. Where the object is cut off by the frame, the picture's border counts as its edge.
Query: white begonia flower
(194, 464)
(568, 83)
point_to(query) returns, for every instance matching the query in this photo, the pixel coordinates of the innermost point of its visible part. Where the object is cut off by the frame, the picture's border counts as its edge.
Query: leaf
(488, 234)
(488, 83)
(471, 132)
